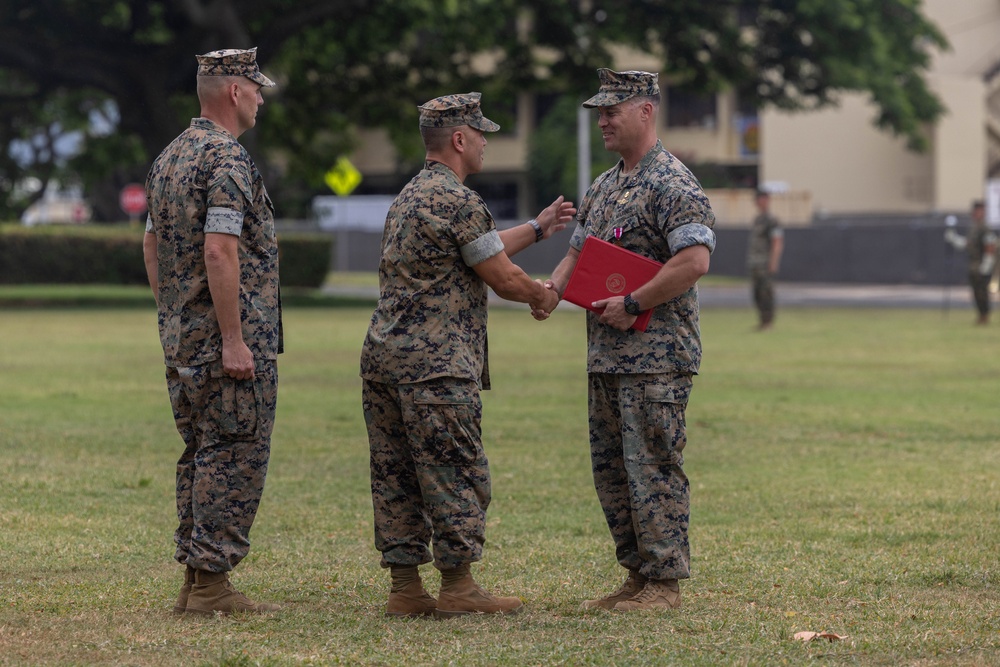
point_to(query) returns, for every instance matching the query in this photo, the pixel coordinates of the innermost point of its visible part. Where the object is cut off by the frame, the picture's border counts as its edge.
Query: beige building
(825, 163)
(848, 166)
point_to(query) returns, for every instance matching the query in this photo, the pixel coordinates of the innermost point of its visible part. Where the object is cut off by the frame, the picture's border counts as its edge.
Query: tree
(341, 64)
(552, 162)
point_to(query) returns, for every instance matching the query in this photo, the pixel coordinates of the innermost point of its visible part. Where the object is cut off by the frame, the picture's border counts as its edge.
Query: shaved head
(437, 139)
(209, 87)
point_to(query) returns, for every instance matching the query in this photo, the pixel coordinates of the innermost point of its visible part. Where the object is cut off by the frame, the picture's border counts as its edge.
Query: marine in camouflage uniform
(763, 254)
(202, 189)
(424, 362)
(980, 248)
(981, 252)
(640, 382)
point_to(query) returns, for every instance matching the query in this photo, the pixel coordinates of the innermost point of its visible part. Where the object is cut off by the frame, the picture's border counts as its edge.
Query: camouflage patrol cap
(455, 110)
(616, 87)
(233, 62)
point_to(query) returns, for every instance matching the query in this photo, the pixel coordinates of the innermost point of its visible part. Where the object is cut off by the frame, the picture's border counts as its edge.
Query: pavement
(790, 295)
(844, 295)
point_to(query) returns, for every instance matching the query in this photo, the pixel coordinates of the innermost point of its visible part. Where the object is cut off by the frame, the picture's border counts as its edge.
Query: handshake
(549, 299)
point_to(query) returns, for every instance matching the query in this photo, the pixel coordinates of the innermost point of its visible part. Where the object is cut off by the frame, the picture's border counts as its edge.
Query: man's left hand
(555, 216)
(614, 314)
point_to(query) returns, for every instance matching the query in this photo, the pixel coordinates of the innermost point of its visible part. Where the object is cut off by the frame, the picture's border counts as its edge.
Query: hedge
(304, 258)
(113, 256)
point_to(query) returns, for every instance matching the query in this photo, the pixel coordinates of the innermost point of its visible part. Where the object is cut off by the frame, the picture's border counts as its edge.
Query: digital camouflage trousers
(430, 478)
(980, 285)
(637, 439)
(226, 426)
(762, 288)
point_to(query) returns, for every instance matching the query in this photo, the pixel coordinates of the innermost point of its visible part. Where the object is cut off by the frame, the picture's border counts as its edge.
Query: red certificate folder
(603, 270)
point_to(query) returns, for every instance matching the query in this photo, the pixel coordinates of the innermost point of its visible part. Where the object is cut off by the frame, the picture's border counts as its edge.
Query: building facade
(820, 164)
(850, 167)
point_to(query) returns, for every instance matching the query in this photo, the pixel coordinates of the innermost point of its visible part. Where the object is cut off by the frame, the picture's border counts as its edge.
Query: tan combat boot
(656, 594)
(461, 595)
(212, 593)
(629, 588)
(407, 596)
(182, 598)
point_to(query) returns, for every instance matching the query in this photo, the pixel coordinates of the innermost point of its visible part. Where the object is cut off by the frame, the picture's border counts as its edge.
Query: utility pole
(582, 154)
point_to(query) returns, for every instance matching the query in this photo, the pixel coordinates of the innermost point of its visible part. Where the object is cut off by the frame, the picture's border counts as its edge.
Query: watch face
(632, 306)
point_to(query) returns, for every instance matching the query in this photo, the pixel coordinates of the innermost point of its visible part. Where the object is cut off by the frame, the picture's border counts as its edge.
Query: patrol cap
(233, 62)
(616, 87)
(455, 110)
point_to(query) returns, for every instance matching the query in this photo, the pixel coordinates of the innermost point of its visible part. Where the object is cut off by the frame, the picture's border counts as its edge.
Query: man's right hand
(541, 311)
(954, 239)
(237, 360)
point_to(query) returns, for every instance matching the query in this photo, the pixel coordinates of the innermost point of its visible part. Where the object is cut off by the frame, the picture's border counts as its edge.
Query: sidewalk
(845, 295)
(788, 295)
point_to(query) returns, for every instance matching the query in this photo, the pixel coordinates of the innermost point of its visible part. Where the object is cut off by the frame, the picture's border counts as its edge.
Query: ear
(234, 92)
(458, 141)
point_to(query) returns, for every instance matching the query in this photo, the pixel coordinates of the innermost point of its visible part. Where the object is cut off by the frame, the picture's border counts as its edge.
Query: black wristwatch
(632, 306)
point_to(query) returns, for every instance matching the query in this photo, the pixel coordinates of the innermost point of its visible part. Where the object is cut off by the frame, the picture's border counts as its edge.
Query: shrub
(71, 255)
(113, 256)
(304, 258)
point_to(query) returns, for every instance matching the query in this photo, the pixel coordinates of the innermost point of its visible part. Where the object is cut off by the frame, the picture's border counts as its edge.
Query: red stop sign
(133, 199)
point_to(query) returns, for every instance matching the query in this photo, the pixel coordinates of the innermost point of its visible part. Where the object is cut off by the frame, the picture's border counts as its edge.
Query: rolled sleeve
(689, 235)
(484, 247)
(223, 221)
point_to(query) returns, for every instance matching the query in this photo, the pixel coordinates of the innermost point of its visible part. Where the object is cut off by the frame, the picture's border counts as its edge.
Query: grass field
(844, 474)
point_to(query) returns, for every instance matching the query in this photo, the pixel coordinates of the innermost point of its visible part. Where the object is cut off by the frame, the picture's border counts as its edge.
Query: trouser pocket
(447, 424)
(664, 406)
(235, 406)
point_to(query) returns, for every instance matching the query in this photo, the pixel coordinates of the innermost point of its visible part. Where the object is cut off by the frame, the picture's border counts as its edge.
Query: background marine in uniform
(980, 248)
(764, 258)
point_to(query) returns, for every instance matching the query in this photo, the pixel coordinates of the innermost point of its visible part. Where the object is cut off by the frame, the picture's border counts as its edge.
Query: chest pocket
(629, 221)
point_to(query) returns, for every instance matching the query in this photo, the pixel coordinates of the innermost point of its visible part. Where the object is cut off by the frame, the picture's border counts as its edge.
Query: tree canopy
(120, 74)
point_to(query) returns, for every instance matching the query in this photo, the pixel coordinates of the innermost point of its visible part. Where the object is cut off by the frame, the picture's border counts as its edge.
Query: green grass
(131, 296)
(106, 296)
(354, 286)
(843, 469)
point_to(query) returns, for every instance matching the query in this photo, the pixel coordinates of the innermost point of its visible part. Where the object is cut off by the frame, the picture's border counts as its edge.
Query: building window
(689, 109)
(543, 105)
(500, 194)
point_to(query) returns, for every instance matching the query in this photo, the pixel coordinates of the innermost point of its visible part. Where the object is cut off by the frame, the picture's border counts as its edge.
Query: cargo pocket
(666, 433)
(448, 425)
(236, 406)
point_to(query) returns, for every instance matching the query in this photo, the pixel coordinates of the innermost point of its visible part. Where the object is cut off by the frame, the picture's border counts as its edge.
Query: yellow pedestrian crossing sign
(343, 178)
